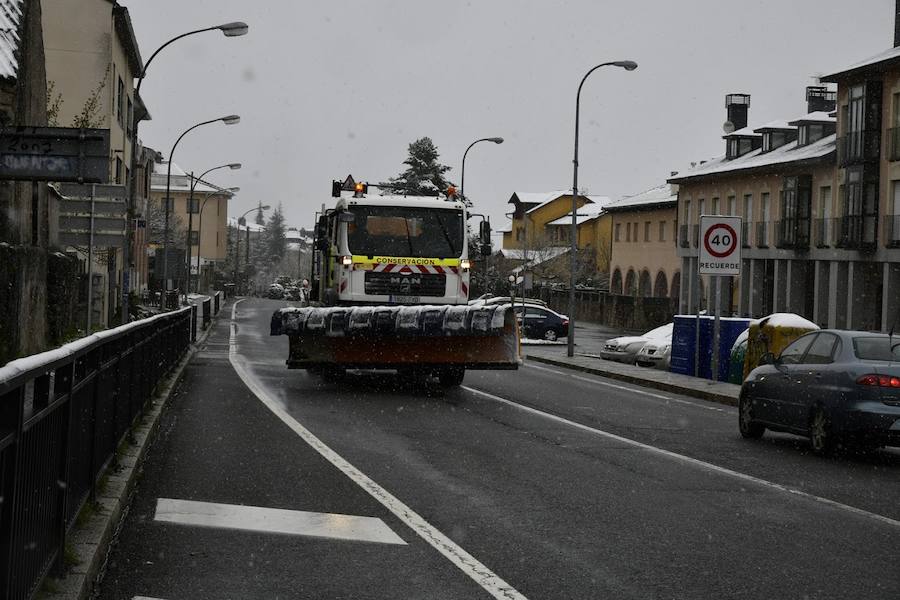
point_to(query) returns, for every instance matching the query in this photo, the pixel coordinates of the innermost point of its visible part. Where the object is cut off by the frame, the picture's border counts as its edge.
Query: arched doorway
(676, 287)
(644, 284)
(630, 282)
(661, 286)
(615, 286)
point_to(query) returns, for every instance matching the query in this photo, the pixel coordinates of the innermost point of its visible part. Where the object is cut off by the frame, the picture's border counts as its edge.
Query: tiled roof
(10, 20)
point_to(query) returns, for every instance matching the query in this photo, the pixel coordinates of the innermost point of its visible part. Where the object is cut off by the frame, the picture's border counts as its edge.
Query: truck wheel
(452, 376)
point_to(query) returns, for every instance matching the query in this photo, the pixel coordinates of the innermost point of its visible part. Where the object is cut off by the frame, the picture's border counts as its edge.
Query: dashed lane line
(689, 460)
(468, 564)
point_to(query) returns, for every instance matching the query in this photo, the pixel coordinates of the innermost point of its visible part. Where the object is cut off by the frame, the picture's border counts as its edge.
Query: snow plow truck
(390, 290)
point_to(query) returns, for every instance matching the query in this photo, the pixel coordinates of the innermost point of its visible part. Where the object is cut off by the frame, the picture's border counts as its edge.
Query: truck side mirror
(484, 232)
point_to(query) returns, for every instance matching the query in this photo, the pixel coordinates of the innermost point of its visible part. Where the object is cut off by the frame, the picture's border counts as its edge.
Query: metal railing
(894, 138)
(762, 234)
(892, 231)
(63, 413)
(858, 231)
(825, 232)
(859, 146)
(745, 234)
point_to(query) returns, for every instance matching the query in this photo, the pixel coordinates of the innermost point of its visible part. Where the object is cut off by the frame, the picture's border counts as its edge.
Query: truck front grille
(405, 284)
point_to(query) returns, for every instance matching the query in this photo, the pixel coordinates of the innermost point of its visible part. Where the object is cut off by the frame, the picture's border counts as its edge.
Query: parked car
(656, 352)
(625, 349)
(832, 386)
(541, 323)
(482, 301)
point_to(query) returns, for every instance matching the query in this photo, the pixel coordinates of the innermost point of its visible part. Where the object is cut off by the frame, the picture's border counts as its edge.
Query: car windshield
(401, 231)
(660, 332)
(876, 348)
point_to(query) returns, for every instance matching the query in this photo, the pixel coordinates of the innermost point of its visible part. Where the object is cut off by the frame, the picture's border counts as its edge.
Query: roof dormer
(741, 142)
(776, 134)
(814, 126)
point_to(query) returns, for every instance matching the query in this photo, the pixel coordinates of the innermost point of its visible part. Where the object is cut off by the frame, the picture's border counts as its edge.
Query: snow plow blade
(389, 337)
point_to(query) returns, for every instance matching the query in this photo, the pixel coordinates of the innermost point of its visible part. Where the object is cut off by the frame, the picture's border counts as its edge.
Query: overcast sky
(331, 87)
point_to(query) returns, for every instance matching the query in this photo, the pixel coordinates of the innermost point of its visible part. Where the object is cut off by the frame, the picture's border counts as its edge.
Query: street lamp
(628, 65)
(228, 120)
(190, 207)
(237, 248)
(462, 177)
(233, 29)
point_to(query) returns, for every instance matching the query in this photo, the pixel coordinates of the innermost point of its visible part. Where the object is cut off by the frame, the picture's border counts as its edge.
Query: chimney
(897, 25)
(737, 106)
(819, 98)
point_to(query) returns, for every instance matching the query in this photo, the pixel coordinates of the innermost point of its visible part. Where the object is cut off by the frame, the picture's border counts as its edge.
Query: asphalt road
(539, 483)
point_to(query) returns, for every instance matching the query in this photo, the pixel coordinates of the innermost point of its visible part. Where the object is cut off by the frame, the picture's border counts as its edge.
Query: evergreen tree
(275, 239)
(424, 175)
(260, 219)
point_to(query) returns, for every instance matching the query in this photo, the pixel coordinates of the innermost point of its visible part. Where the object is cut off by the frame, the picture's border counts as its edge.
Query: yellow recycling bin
(772, 334)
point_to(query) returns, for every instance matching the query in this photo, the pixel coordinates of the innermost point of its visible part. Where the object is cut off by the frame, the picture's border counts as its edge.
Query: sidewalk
(715, 391)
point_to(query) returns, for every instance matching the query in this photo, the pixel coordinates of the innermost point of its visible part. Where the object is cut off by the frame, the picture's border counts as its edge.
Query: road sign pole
(698, 301)
(90, 266)
(714, 367)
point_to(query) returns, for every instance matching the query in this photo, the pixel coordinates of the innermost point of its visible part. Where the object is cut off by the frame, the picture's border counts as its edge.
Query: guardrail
(63, 413)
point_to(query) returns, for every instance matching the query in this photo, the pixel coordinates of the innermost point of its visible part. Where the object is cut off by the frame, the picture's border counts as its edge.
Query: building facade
(643, 261)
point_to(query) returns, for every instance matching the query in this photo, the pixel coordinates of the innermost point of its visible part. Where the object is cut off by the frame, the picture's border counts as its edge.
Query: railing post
(12, 407)
(64, 471)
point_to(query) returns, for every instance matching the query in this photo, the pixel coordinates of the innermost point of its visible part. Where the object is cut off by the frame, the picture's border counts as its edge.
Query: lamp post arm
(462, 175)
(158, 50)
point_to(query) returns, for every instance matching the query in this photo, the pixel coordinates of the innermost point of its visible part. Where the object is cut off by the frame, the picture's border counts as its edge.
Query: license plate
(404, 299)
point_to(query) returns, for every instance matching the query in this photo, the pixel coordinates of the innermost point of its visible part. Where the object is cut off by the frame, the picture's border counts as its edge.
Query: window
(824, 234)
(773, 139)
(860, 207)
(715, 206)
(662, 231)
(794, 352)
(618, 232)
(821, 351)
(688, 217)
(796, 199)
(647, 231)
(129, 117)
(628, 232)
(701, 207)
(118, 174)
(875, 348)
(412, 232)
(120, 103)
(731, 206)
(195, 238)
(168, 204)
(893, 219)
(748, 208)
(193, 205)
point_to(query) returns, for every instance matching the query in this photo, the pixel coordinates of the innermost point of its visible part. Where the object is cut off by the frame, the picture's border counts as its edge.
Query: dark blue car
(831, 386)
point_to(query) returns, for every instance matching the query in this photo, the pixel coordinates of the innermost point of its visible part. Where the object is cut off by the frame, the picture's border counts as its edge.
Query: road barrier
(63, 414)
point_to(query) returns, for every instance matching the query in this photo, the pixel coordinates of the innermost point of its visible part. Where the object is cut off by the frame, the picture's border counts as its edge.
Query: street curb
(91, 541)
(658, 385)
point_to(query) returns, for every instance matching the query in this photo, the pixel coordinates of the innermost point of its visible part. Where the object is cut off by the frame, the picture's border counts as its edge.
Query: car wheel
(550, 335)
(749, 429)
(820, 434)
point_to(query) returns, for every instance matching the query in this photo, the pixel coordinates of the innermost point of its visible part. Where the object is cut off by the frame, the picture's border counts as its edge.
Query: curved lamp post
(462, 176)
(190, 207)
(234, 29)
(231, 192)
(237, 248)
(628, 65)
(228, 120)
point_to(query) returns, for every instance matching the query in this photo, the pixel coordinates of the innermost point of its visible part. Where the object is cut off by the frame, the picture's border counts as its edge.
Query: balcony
(892, 231)
(683, 240)
(859, 147)
(792, 234)
(762, 234)
(825, 232)
(894, 139)
(745, 234)
(857, 231)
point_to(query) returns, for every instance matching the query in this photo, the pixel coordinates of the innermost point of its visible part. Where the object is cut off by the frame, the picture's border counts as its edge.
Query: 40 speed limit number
(720, 248)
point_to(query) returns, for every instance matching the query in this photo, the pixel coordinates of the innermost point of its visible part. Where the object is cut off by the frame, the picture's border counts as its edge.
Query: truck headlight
(465, 264)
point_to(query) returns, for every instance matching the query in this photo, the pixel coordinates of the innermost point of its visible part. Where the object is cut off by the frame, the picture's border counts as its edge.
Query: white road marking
(468, 564)
(275, 520)
(630, 389)
(689, 460)
(145, 598)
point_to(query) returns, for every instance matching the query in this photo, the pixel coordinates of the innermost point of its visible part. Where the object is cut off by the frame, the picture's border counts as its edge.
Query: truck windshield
(401, 231)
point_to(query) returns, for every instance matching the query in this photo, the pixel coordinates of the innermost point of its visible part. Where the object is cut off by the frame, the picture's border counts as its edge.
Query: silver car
(625, 349)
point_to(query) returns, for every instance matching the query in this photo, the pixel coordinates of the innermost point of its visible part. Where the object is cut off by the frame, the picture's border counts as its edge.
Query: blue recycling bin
(684, 343)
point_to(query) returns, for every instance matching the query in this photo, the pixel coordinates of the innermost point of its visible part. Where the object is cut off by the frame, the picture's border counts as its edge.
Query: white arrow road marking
(468, 564)
(702, 464)
(275, 520)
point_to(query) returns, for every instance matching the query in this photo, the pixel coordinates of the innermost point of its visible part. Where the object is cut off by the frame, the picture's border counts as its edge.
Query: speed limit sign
(720, 245)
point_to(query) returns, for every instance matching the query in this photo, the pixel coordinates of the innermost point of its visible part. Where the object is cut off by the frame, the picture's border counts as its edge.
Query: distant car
(541, 323)
(625, 349)
(275, 291)
(656, 352)
(832, 386)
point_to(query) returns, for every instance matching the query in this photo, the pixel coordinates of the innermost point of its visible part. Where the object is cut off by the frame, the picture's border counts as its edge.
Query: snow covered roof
(181, 181)
(535, 200)
(538, 257)
(873, 61)
(819, 116)
(660, 195)
(233, 222)
(776, 124)
(586, 213)
(743, 132)
(505, 228)
(10, 18)
(756, 159)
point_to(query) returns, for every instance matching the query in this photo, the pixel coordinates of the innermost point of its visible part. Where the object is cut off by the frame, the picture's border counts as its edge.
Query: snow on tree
(260, 219)
(156, 223)
(274, 237)
(424, 175)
